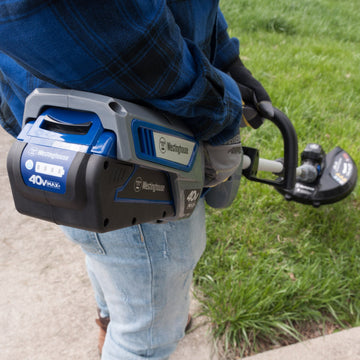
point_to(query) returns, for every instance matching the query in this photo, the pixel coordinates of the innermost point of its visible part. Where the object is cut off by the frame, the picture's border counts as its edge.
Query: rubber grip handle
(287, 181)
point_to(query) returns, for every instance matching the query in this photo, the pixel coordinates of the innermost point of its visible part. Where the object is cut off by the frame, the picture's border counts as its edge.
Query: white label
(173, 148)
(49, 169)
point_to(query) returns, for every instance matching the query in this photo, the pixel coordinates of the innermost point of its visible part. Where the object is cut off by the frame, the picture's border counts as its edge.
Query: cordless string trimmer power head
(98, 163)
(322, 178)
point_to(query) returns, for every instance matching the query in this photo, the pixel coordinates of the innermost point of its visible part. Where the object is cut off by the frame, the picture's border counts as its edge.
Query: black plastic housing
(102, 194)
(337, 180)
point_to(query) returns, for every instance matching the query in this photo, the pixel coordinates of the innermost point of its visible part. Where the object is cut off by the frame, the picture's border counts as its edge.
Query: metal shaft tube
(264, 165)
(306, 173)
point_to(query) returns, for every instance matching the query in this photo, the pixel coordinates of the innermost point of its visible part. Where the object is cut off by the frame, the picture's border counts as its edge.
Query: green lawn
(273, 268)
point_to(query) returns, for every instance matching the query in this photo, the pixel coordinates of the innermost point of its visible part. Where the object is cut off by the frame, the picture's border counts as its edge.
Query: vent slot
(146, 139)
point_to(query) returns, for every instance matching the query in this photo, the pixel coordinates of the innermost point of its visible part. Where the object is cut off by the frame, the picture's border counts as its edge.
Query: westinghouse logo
(141, 184)
(177, 148)
(165, 145)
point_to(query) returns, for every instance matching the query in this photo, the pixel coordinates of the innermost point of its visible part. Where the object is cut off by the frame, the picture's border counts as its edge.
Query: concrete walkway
(47, 309)
(344, 345)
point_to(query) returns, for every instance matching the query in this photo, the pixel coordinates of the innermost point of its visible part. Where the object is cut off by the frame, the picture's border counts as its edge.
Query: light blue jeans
(141, 276)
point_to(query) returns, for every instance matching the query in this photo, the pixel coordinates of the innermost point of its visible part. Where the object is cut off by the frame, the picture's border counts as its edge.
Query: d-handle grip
(288, 177)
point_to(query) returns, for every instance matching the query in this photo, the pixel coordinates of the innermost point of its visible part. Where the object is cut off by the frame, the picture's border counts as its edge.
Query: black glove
(257, 103)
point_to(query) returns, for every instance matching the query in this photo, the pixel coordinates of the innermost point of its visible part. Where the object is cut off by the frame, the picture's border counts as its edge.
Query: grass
(273, 269)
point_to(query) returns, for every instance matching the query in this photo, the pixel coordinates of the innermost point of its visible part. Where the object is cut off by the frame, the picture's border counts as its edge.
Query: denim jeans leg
(141, 276)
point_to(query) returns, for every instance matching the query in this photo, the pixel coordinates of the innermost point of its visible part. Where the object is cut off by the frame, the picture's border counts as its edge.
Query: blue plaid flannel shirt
(168, 54)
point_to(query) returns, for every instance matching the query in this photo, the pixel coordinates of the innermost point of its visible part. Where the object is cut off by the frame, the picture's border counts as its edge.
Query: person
(175, 56)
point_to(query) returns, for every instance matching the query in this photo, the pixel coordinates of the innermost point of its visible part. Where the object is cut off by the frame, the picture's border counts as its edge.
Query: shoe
(103, 324)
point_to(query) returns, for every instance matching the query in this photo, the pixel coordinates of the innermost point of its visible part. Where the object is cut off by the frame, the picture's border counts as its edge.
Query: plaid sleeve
(227, 50)
(7, 119)
(132, 50)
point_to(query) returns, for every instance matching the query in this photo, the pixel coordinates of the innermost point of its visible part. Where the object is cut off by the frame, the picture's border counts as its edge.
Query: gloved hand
(257, 103)
(221, 161)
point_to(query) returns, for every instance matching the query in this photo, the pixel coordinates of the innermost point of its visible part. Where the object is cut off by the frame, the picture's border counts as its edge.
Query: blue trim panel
(145, 147)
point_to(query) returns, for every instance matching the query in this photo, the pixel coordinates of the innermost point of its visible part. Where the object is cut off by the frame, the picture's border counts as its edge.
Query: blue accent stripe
(121, 188)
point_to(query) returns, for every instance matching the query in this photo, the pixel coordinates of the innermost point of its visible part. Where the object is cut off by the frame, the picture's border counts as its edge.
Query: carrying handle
(288, 176)
(59, 126)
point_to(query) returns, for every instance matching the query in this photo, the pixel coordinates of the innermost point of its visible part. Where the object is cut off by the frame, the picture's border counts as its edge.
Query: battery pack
(101, 171)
